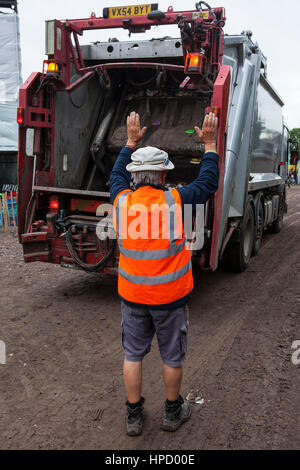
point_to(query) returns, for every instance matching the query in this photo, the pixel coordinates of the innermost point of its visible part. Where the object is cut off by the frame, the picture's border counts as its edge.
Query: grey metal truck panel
(255, 128)
(239, 131)
(76, 117)
(164, 47)
(267, 132)
(259, 181)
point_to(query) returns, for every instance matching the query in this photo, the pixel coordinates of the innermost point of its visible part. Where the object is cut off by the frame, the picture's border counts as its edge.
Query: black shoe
(177, 413)
(135, 418)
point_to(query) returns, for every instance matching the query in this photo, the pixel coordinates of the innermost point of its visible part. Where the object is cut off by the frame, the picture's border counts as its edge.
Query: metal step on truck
(72, 126)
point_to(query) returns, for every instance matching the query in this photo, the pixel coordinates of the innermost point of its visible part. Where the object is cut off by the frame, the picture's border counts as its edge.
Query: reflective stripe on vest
(156, 280)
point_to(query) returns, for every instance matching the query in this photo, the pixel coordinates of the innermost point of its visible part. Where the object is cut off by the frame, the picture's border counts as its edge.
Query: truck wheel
(277, 225)
(238, 253)
(259, 229)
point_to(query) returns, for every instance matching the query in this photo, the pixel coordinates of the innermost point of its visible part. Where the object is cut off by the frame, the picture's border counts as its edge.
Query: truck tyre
(259, 229)
(238, 253)
(277, 225)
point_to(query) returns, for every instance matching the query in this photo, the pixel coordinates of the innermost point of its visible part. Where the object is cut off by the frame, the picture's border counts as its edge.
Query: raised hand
(208, 133)
(134, 131)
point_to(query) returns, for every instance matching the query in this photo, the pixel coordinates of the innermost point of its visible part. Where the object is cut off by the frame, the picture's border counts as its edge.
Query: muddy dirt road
(62, 386)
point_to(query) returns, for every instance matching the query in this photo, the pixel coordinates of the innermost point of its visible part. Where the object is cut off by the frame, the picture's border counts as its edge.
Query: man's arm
(120, 177)
(199, 191)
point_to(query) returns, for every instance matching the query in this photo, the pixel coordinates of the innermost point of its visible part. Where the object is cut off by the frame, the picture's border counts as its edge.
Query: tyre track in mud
(62, 386)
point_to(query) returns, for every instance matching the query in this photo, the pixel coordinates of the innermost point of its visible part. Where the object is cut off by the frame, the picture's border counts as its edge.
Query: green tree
(295, 138)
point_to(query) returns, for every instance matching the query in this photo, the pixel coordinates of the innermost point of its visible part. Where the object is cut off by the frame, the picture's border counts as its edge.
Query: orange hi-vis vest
(155, 262)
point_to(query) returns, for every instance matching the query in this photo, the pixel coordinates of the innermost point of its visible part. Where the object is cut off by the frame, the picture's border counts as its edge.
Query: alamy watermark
(162, 223)
(2, 353)
(296, 354)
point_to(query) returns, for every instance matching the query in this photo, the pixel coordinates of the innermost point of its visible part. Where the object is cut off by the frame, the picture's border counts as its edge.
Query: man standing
(155, 272)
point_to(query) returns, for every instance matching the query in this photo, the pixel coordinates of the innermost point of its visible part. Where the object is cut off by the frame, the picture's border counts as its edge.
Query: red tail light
(20, 116)
(54, 204)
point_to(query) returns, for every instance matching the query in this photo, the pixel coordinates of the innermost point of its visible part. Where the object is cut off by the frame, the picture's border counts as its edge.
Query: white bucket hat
(149, 159)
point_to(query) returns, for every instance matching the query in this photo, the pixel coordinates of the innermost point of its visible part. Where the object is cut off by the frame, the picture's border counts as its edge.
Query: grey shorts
(139, 326)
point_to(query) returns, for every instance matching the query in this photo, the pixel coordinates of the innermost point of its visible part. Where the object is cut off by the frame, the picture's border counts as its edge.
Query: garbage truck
(72, 126)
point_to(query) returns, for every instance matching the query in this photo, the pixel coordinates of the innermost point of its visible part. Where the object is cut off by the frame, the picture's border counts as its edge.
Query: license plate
(125, 12)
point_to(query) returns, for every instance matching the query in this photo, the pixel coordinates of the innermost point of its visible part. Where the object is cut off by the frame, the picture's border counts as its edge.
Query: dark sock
(179, 400)
(171, 403)
(176, 403)
(133, 406)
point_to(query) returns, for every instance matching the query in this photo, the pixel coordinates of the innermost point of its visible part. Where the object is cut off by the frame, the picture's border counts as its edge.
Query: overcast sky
(274, 23)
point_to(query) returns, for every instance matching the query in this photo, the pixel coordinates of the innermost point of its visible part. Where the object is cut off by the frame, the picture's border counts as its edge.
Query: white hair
(148, 178)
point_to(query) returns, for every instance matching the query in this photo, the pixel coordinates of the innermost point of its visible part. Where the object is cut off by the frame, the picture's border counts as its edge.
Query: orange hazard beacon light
(195, 62)
(50, 67)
